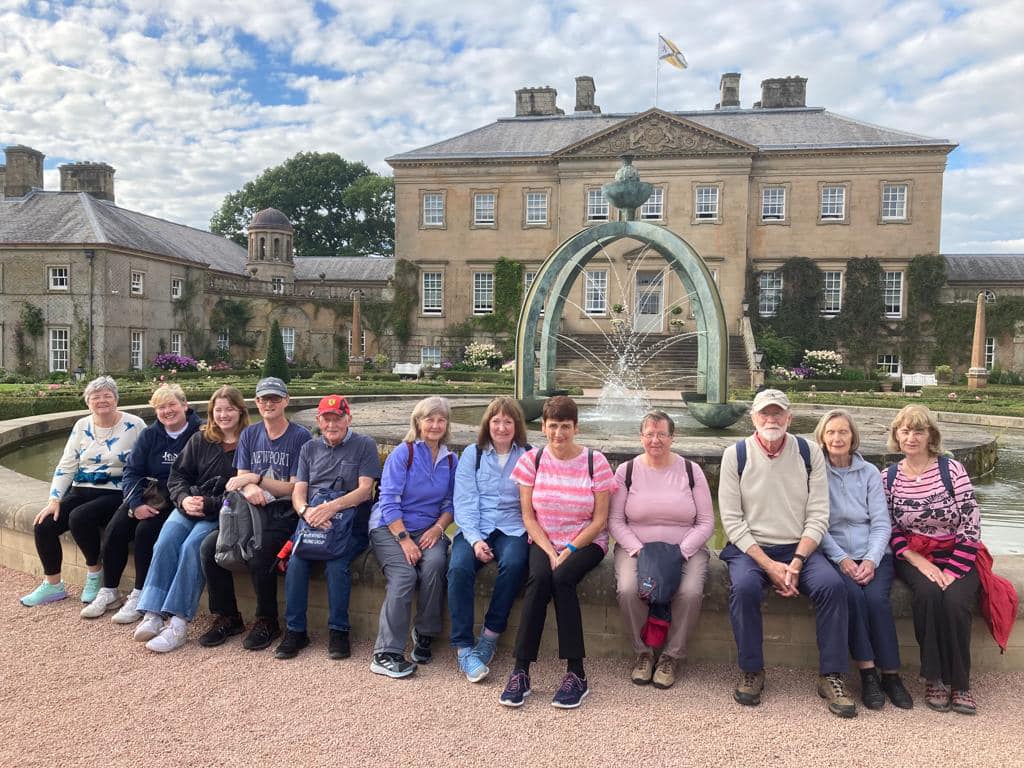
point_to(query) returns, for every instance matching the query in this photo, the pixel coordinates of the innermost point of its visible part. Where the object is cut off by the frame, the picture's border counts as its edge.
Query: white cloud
(168, 91)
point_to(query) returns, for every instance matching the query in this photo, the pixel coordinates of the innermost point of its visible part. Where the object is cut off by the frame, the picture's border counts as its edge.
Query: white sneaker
(106, 598)
(149, 628)
(129, 612)
(171, 636)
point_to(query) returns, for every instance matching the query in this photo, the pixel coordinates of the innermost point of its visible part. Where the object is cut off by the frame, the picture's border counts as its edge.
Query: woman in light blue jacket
(857, 543)
(490, 521)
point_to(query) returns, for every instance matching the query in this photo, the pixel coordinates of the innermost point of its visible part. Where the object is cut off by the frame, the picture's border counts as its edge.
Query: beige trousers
(685, 604)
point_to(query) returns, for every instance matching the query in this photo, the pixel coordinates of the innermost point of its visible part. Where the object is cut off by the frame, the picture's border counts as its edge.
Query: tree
(338, 208)
(276, 364)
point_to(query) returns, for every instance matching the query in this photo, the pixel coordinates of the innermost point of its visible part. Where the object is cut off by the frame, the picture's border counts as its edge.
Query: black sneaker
(262, 634)
(421, 648)
(291, 645)
(871, 692)
(221, 629)
(338, 646)
(893, 686)
(391, 665)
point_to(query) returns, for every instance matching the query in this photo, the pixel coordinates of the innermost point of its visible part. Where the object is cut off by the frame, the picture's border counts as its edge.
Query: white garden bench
(917, 380)
(415, 370)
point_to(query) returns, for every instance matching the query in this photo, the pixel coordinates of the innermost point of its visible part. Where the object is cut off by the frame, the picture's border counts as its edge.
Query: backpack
(240, 533)
(590, 460)
(947, 479)
(629, 473)
(801, 444)
(480, 456)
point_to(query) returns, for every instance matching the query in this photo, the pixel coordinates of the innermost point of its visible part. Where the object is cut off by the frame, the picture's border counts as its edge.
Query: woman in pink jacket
(667, 499)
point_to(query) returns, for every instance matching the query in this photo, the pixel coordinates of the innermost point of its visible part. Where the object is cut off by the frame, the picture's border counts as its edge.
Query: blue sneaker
(571, 692)
(91, 588)
(485, 648)
(470, 664)
(516, 689)
(44, 593)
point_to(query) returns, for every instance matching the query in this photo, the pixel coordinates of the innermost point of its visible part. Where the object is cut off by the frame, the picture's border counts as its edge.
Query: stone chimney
(3, 176)
(782, 92)
(585, 90)
(24, 171)
(95, 178)
(537, 101)
(729, 88)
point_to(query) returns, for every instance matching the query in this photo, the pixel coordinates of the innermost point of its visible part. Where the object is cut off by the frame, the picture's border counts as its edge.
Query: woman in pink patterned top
(667, 500)
(564, 490)
(935, 540)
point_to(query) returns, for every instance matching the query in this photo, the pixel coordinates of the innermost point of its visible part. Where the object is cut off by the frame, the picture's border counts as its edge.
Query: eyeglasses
(270, 399)
(655, 435)
(905, 433)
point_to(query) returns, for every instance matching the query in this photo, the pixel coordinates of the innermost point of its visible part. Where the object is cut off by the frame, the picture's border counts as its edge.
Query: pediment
(655, 133)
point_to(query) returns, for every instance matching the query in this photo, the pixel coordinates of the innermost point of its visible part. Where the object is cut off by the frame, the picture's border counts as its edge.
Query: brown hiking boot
(748, 691)
(664, 672)
(832, 688)
(643, 668)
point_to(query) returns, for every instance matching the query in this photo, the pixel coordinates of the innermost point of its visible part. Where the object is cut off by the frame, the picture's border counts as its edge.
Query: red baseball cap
(333, 404)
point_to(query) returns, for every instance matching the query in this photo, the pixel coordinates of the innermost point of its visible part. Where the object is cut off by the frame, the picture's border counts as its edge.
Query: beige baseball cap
(767, 397)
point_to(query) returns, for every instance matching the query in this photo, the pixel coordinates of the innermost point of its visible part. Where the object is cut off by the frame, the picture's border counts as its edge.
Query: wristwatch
(302, 512)
(402, 535)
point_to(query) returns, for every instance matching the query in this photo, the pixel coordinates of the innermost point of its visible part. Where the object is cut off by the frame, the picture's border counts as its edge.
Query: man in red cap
(335, 478)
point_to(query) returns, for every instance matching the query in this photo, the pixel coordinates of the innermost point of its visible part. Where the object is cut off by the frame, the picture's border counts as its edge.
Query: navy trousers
(818, 580)
(872, 627)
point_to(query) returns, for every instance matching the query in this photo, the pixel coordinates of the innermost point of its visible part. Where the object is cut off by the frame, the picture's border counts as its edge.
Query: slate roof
(767, 129)
(57, 218)
(346, 269)
(984, 267)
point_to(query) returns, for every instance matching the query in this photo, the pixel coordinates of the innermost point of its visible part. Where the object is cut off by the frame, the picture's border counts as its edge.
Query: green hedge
(826, 385)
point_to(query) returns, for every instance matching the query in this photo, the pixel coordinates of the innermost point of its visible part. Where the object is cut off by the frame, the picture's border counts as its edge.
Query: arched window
(277, 249)
(990, 297)
(288, 243)
(262, 256)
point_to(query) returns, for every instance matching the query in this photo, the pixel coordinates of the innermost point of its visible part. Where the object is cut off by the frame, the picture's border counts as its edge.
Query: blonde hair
(505, 406)
(212, 432)
(166, 392)
(428, 406)
(837, 413)
(916, 417)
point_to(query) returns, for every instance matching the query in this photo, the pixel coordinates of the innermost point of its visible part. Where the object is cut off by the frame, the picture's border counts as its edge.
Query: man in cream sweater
(774, 506)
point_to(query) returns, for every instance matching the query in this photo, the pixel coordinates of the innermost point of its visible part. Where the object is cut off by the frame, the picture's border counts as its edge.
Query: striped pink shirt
(563, 493)
(923, 506)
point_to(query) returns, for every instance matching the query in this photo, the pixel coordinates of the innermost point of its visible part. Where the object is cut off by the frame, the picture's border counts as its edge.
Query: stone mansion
(745, 186)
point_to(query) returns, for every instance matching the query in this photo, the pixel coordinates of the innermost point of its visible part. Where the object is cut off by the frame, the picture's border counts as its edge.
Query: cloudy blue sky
(189, 99)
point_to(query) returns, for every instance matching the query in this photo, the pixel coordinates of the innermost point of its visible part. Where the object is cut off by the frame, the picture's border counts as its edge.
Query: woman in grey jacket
(857, 543)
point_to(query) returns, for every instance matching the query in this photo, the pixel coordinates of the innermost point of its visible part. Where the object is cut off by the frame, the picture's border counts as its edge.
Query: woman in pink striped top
(563, 491)
(935, 539)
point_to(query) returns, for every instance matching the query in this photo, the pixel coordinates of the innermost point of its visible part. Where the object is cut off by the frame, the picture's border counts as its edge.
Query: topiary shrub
(276, 363)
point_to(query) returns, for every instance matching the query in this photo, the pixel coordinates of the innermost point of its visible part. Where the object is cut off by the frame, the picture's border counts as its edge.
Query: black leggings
(121, 530)
(83, 511)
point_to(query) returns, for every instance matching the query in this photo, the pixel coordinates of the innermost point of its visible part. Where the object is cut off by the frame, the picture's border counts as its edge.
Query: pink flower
(951, 396)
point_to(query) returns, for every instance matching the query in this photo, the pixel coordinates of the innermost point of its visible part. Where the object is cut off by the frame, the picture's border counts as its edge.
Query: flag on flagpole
(669, 52)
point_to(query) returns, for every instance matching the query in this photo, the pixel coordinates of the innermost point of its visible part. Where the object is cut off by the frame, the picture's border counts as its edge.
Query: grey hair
(658, 416)
(98, 384)
(428, 406)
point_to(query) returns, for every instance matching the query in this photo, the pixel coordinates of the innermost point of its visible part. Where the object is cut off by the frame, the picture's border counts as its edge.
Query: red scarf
(998, 599)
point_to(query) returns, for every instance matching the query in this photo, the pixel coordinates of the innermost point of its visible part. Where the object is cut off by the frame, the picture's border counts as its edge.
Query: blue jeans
(175, 579)
(511, 554)
(818, 580)
(339, 587)
(872, 627)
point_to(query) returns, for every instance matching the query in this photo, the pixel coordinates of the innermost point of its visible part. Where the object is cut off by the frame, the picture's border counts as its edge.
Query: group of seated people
(800, 516)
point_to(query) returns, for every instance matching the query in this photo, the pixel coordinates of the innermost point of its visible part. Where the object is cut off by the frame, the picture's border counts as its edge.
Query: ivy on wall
(926, 277)
(860, 326)
(187, 318)
(797, 323)
(406, 299)
(27, 332)
(233, 315)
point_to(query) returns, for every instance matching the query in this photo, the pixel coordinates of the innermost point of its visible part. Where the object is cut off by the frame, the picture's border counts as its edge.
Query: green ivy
(406, 299)
(926, 276)
(233, 315)
(860, 326)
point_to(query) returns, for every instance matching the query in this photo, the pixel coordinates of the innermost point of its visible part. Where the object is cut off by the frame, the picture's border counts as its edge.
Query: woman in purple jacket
(407, 532)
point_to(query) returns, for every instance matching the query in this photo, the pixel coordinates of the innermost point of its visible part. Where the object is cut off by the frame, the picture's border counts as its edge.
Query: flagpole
(657, 69)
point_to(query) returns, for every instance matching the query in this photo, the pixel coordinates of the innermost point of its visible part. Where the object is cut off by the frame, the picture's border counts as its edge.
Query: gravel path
(80, 693)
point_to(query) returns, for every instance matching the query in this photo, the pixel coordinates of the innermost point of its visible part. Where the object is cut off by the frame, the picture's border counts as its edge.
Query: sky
(188, 100)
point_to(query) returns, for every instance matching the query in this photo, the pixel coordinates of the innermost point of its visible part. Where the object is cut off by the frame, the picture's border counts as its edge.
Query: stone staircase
(673, 366)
